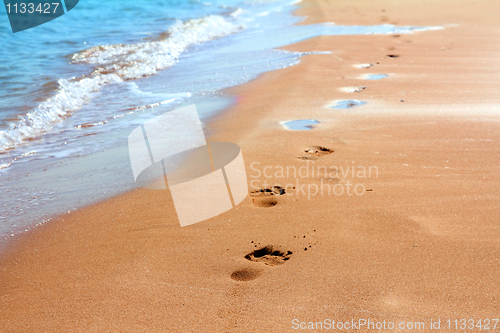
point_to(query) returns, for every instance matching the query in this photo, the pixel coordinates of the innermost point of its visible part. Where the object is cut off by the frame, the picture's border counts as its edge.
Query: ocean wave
(133, 61)
(114, 63)
(70, 96)
(6, 165)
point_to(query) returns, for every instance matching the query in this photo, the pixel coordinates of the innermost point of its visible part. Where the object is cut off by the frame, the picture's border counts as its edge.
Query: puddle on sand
(374, 76)
(353, 89)
(300, 125)
(346, 104)
(362, 65)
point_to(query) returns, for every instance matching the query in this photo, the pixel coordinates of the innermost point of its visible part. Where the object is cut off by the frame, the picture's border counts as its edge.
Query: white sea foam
(134, 61)
(70, 96)
(237, 12)
(6, 165)
(114, 63)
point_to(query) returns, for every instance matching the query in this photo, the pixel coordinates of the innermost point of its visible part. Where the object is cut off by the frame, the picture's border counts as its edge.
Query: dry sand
(422, 245)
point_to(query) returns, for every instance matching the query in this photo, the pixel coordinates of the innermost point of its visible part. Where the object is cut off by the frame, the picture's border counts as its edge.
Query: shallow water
(347, 104)
(300, 125)
(375, 76)
(363, 65)
(71, 90)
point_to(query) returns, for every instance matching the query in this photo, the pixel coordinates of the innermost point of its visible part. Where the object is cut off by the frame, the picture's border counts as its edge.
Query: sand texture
(418, 241)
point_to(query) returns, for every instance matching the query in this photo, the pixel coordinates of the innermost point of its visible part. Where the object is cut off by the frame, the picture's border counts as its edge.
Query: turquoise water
(376, 76)
(347, 104)
(34, 60)
(71, 90)
(300, 125)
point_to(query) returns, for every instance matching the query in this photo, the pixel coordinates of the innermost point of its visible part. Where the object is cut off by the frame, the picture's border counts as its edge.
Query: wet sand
(417, 242)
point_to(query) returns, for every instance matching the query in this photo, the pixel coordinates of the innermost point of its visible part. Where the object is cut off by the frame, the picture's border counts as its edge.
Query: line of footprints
(270, 255)
(267, 197)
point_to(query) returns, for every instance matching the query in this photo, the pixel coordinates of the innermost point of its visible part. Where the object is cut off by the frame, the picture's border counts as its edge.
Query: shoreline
(419, 246)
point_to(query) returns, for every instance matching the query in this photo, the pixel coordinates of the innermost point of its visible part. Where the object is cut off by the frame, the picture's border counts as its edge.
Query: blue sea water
(34, 60)
(71, 90)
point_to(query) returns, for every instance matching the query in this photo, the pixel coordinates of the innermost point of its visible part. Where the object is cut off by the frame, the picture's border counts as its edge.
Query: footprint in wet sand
(266, 197)
(362, 65)
(307, 158)
(299, 125)
(374, 76)
(314, 152)
(245, 274)
(392, 56)
(353, 89)
(346, 104)
(318, 150)
(269, 255)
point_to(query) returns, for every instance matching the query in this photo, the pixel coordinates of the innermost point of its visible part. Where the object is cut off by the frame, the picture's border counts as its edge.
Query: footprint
(269, 256)
(245, 274)
(392, 56)
(362, 65)
(275, 190)
(346, 104)
(353, 89)
(318, 150)
(300, 125)
(374, 76)
(307, 158)
(265, 201)
(314, 152)
(266, 197)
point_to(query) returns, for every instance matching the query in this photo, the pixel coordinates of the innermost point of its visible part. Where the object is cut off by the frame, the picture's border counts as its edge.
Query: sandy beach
(414, 236)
